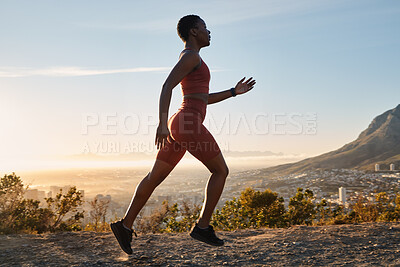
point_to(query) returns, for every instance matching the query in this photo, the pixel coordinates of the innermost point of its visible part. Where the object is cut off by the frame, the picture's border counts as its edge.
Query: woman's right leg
(145, 188)
(219, 172)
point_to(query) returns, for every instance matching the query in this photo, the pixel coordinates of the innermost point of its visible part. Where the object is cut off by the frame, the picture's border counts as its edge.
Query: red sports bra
(197, 81)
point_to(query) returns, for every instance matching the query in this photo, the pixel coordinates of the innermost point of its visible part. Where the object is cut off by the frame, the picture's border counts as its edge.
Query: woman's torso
(195, 85)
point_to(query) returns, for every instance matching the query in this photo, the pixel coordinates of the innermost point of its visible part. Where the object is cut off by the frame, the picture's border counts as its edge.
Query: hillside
(379, 143)
(369, 244)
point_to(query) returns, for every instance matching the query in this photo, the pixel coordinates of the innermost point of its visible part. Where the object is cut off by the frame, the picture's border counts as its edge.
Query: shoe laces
(130, 234)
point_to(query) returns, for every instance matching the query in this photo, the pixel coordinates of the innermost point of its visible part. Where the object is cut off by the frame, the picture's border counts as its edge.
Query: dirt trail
(368, 244)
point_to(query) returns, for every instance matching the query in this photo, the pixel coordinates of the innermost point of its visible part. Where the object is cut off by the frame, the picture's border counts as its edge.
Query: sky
(82, 77)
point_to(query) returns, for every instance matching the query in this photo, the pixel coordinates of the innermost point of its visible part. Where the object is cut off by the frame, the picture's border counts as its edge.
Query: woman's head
(193, 24)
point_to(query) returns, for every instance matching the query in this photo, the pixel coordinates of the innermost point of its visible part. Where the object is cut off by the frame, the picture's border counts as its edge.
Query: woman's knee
(218, 165)
(221, 169)
(225, 170)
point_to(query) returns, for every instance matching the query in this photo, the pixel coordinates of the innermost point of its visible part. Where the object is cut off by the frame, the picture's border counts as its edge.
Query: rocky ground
(368, 244)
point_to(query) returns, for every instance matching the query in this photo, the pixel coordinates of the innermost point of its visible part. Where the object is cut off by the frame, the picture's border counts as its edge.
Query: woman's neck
(192, 46)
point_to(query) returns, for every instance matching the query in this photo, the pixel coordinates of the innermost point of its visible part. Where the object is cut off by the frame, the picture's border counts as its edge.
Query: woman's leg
(219, 172)
(145, 188)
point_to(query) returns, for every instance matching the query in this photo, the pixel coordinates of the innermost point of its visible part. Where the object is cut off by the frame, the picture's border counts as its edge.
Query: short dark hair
(185, 24)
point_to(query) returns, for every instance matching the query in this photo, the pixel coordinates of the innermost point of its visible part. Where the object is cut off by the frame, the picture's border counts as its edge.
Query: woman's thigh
(189, 132)
(160, 171)
(171, 153)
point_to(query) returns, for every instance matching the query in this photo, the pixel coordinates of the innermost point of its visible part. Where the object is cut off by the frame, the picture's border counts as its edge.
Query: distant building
(54, 190)
(31, 194)
(392, 167)
(342, 195)
(377, 169)
(35, 194)
(101, 197)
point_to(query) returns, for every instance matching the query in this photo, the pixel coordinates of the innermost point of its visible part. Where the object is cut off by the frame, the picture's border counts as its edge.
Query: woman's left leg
(145, 188)
(167, 158)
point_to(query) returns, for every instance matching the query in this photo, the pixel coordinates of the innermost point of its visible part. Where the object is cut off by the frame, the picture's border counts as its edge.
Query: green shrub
(251, 209)
(301, 207)
(25, 215)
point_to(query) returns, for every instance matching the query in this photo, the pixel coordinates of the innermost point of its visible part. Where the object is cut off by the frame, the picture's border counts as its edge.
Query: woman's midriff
(201, 96)
(194, 105)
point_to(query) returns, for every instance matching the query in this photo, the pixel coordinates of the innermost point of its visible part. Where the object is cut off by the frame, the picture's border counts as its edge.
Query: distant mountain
(379, 143)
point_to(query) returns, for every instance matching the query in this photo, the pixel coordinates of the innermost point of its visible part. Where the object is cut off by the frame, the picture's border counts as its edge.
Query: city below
(340, 186)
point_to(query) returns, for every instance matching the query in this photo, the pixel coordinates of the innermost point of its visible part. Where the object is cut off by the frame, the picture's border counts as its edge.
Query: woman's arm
(240, 88)
(217, 97)
(185, 65)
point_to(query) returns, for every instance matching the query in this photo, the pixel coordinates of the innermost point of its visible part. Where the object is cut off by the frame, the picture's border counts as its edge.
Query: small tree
(328, 213)
(98, 213)
(301, 207)
(154, 222)
(251, 209)
(24, 215)
(62, 205)
(364, 210)
(181, 218)
(396, 212)
(11, 195)
(386, 207)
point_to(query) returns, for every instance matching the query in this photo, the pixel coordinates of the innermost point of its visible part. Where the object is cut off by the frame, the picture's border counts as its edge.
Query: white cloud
(12, 72)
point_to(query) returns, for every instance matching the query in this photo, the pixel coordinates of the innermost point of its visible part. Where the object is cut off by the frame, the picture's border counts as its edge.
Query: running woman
(185, 131)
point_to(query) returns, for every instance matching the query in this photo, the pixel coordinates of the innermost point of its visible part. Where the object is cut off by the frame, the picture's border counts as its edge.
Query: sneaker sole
(202, 239)
(115, 232)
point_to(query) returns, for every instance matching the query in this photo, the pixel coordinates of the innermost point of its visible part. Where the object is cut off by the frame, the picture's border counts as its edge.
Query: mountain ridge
(379, 143)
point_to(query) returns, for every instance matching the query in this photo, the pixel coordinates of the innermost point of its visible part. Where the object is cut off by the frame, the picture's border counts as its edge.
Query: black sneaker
(123, 235)
(206, 235)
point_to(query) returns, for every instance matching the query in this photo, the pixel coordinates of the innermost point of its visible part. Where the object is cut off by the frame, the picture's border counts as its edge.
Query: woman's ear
(193, 31)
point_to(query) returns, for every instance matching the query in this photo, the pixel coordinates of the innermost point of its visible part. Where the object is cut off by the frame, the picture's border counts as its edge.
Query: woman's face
(203, 35)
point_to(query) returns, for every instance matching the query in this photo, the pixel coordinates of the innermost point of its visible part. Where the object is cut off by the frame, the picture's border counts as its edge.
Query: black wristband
(233, 91)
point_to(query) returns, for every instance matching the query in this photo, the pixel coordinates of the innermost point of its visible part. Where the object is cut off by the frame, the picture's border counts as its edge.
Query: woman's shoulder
(190, 55)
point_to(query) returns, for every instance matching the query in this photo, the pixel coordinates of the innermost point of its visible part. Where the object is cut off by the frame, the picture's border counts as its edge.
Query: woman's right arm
(187, 62)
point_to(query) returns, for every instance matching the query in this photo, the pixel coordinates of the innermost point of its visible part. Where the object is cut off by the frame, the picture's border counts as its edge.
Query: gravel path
(368, 244)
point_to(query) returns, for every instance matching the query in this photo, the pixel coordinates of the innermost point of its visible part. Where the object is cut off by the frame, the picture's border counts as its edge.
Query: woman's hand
(162, 135)
(243, 87)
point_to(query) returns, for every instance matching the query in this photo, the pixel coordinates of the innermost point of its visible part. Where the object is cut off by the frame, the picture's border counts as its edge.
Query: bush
(11, 195)
(24, 215)
(301, 207)
(251, 209)
(181, 218)
(98, 215)
(328, 213)
(62, 205)
(169, 218)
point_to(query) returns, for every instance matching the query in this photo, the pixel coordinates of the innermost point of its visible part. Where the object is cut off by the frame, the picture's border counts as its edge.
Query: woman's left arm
(240, 88)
